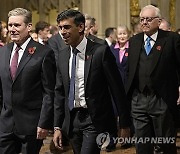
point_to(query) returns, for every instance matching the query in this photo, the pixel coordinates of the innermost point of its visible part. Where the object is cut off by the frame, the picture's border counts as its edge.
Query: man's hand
(57, 139)
(178, 101)
(41, 133)
(125, 132)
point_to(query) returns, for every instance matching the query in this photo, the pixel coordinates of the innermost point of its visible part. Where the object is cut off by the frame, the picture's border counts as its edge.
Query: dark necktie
(14, 63)
(148, 45)
(72, 80)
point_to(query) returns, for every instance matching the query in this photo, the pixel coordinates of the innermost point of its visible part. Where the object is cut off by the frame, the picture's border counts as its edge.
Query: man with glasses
(153, 86)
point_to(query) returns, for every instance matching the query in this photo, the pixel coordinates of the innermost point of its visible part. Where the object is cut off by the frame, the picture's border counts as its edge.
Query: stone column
(107, 13)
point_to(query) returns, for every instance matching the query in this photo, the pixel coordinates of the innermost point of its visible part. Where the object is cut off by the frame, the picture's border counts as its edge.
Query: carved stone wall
(107, 12)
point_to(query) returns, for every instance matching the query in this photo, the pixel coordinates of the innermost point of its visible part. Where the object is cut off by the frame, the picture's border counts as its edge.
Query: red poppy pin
(126, 54)
(31, 50)
(158, 47)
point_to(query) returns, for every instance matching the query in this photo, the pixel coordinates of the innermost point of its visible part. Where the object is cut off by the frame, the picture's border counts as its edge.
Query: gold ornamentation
(172, 12)
(134, 8)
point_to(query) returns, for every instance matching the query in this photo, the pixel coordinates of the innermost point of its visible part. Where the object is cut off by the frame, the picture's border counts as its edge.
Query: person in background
(1, 43)
(165, 25)
(120, 50)
(110, 36)
(27, 81)
(178, 31)
(153, 84)
(34, 36)
(87, 75)
(56, 43)
(137, 28)
(42, 29)
(4, 33)
(53, 30)
(89, 25)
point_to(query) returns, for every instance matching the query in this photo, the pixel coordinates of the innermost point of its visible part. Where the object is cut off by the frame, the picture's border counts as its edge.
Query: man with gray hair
(27, 80)
(153, 84)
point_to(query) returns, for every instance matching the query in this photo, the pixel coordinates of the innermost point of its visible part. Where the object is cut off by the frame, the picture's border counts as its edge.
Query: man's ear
(29, 27)
(81, 27)
(160, 21)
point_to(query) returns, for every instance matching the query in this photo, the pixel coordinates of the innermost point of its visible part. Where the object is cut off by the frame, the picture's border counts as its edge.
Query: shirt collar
(108, 42)
(118, 47)
(82, 45)
(153, 37)
(24, 45)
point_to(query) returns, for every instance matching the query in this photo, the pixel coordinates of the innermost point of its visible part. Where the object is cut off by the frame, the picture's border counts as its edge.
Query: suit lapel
(8, 57)
(88, 59)
(134, 53)
(116, 54)
(25, 58)
(125, 57)
(157, 49)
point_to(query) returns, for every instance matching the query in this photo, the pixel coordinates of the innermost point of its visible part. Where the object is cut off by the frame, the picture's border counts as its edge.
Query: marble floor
(48, 148)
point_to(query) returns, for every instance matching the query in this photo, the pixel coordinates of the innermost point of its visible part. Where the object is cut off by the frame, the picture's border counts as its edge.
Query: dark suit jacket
(123, 65)
(165, 69)
(27, 102)
(101, 74)
(95, 39)
(56, 43)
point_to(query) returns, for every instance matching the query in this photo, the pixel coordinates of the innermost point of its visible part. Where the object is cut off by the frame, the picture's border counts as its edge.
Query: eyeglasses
(148, 19)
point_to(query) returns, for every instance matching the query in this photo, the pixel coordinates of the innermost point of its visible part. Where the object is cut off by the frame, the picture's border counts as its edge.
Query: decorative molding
(172, 13)
(134, 12)
(51, 4)
(134, 8)
(72, 4)
(32, 5)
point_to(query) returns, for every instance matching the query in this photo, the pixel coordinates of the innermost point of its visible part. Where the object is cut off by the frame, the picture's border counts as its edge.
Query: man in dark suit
(27, 79)
(83, 106)
(110, 36)
(153, 81)
(90, 23)
(42, 29)
(56, 43)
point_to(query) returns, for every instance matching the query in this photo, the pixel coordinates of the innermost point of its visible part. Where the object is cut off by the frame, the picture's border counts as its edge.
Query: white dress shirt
(153, 39)
(21, 51)
(79, 78)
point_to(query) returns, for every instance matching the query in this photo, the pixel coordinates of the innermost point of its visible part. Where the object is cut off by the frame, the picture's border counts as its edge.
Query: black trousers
(152, 119)
(11, 143)
(82, 133)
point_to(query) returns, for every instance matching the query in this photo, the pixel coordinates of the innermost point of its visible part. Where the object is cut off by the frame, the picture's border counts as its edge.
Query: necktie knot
(148, 39)
(75, 51)
(17, 49)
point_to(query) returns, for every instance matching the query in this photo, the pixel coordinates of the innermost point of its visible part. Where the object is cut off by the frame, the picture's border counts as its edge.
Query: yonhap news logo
(103, 140)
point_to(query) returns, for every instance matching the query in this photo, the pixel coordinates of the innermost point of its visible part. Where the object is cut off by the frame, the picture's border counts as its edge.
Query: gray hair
(21, 12)
(156, 9)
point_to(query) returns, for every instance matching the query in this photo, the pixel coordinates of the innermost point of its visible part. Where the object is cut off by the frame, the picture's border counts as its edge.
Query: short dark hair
(109, 31)
(41, 25)
(76, 15)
